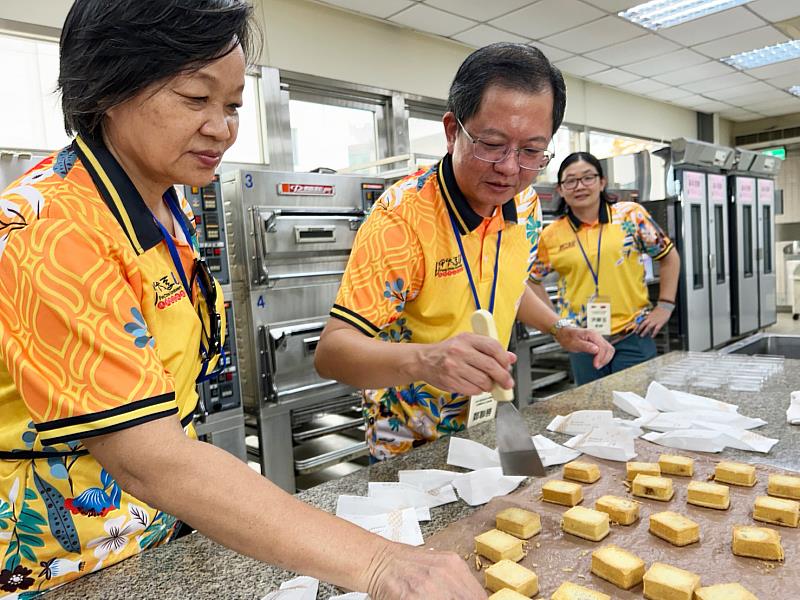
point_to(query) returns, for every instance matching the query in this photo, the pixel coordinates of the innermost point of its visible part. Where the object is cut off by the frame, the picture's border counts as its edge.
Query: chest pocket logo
(447, 267)
(167, 291)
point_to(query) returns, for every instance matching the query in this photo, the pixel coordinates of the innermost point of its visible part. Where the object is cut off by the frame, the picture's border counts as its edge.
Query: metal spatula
(518, 455)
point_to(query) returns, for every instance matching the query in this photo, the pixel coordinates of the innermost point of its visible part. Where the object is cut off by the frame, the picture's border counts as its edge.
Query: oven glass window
(333, 137)
(767, 214)
(719, 241)
(697, 252)
(747, 237)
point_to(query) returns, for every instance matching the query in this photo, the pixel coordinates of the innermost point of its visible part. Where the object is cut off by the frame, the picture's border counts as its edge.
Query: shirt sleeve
(73, 336)
(386, 269)
(540, 266)
(650, 238)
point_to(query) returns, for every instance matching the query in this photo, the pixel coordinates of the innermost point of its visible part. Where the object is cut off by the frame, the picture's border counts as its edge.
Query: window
(565, 142)
(747, 235)
(767, 242)
(426, 136)
(696, 212)
(331, 136)
(605, 145)
(30, 108)
(249, 146)
(719, 241)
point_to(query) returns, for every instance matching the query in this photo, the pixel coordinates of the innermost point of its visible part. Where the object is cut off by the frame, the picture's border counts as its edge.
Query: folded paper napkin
(793, 412)
(305, 588)
(611, 442)
(472, 455)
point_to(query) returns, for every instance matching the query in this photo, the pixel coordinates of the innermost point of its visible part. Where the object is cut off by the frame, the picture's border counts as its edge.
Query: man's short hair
(112, 50)
(512, 66)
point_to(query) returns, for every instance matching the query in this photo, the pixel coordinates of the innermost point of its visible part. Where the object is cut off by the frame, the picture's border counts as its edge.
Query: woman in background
(598, 249)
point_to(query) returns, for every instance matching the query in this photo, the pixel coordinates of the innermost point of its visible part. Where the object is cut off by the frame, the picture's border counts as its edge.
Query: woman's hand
(577, 339)
(653, 322)
(407, 573)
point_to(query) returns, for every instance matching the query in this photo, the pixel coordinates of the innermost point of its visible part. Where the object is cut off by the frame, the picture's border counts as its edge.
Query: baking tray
(556, 556)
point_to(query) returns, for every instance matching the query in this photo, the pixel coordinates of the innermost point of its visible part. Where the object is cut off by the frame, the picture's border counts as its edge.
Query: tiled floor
(785, 324)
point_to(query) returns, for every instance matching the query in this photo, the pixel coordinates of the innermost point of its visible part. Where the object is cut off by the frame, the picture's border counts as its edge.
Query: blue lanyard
(469, 271)
(596, 271)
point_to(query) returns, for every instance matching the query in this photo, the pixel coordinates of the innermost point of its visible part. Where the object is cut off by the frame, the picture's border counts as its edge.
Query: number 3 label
(248, 180)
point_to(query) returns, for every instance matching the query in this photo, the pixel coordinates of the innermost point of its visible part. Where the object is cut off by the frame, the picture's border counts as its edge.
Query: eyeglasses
(208, 290)
(532, 159)
(586, 180)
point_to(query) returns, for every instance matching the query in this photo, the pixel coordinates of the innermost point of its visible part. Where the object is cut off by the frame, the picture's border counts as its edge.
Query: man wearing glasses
(444, 242)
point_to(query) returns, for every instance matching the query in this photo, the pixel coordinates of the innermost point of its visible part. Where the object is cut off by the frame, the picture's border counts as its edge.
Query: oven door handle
(266, 356)
(305, 275)
(262, 222)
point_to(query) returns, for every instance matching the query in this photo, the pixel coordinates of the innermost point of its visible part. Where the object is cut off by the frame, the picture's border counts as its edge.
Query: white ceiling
(587, 39)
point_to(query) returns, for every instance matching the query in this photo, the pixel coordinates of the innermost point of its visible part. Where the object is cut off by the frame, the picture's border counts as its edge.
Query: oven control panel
(222, 392)
(209, 221)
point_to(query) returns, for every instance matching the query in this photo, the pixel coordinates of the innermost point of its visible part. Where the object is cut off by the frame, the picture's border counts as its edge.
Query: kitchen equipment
(518, 455)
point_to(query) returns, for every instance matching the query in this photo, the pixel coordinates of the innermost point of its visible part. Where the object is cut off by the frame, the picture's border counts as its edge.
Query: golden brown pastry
(587, 523)
(723, 591)
(497, 545)
(710, 495)
(573, 591)
(673, 464)
(674, 528)
(581, 471)
(507, 594)
(518, 522)
(618, 566)
(619, 510)
(508, 574)
(735, 473)
(655, 488)
(665, 582)
(784, 486)
(632, 469)
(779, 511)
(565, 493)
(757, 542)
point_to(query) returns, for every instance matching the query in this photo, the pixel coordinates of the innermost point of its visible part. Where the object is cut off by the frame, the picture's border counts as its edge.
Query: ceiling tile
(718, 83)
(547, 17)
(554, 54)
(480, 11)
(695, 73)
(748, 90)
(594, 35)
(432, 20)
(666, 62)
(787, 67)
(580, 66)
(775, 10)
(742, 42)
(483, 35)
(785, 81)
(784, 100)
(669, 94)
(643, 86)
(770, 99)
(383, 9)
(614, 6)
(712, 107)
(713, 26)
(613, 77)
(777, 112)
(690, 100)
(740, 115)
(641, 48)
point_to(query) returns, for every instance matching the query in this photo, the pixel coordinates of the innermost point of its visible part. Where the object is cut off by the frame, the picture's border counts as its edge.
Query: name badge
(482, 408)
(598, 315)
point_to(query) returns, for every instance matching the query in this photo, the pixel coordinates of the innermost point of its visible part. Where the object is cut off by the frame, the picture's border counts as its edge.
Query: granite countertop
(195, 568)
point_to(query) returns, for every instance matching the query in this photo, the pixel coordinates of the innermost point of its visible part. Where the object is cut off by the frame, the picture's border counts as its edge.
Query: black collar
(466, 218)
(604, 215)
(120, 195)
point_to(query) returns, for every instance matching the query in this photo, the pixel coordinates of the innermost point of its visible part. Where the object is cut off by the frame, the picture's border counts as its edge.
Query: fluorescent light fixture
(660, 14)
(764, 56)
(795, 89)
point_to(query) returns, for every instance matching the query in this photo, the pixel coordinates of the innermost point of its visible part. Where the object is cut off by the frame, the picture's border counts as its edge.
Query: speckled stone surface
(195, 568)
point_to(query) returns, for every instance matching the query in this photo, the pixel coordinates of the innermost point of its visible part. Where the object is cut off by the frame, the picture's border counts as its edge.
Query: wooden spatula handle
(483, 324)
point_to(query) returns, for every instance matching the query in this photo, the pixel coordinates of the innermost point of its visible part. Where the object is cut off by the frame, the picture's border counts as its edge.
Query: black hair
(113, 49)
(577, 157)
(512, 66)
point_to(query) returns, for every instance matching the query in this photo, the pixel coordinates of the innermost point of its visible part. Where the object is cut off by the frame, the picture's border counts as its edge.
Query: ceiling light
(764, 56)
(660, 14)
(795, 89)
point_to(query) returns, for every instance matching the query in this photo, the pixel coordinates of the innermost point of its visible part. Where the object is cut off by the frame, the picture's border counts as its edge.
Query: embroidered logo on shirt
(448, 267)
(566, 245)
(168, 291)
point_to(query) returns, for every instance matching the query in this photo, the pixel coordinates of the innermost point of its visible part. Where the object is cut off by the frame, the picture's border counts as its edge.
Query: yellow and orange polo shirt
(405, 282)
(97, 334)
(629, 233)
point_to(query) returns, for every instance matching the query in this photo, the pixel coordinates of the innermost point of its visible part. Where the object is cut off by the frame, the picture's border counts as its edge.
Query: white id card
(598, 315)
(482, 408)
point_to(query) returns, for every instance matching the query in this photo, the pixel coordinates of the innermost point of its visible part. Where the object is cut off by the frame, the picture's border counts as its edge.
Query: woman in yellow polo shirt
(598, 249)
(108, 317)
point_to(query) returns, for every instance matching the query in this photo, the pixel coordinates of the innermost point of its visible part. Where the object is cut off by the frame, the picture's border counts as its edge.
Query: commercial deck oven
(289, 239)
